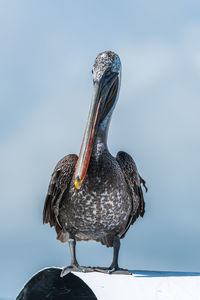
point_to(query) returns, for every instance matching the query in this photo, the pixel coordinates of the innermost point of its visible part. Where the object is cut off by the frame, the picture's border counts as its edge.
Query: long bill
(88, 139)
(104, 95)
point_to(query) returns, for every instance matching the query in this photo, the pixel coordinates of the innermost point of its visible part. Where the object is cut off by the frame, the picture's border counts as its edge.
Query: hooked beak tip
(77, 183)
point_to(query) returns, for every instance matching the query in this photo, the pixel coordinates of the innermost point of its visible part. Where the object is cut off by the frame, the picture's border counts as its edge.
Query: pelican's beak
(101, 92)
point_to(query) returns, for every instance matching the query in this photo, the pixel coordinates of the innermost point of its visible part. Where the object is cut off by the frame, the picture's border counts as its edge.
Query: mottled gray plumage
(108, 202)
(110, 197)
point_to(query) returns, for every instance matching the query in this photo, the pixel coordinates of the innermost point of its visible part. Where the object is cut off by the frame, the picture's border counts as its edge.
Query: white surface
(144, 285)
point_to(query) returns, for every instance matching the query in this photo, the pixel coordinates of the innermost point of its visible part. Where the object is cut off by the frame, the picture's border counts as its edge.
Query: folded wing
(59, 183)
(134, 182)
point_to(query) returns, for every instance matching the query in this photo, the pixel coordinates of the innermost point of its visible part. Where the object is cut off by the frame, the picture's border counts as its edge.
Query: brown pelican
(96, 196)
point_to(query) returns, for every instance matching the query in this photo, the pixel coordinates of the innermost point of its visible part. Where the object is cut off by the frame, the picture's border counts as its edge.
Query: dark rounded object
(47, 284)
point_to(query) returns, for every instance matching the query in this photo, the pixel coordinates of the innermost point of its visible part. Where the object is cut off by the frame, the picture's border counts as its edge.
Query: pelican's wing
(134, 181)
(59, 183)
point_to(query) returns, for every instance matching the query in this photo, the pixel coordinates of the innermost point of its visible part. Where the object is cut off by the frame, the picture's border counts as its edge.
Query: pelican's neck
(100, 141)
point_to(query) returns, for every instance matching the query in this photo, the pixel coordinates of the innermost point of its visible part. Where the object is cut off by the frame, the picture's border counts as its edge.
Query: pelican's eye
(108, 71)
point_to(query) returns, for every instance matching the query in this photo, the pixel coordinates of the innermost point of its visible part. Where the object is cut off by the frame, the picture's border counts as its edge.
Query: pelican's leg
(74, 266)
(114, 267)
(72, 247)
(116, 246)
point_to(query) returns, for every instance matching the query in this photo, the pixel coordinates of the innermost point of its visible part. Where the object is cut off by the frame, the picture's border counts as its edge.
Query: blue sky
(46, 55)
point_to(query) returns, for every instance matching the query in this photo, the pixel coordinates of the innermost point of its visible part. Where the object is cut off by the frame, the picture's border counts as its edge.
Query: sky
(46, 55)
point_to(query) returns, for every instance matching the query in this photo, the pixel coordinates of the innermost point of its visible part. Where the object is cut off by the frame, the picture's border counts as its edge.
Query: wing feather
(134, 182)
(60, 181)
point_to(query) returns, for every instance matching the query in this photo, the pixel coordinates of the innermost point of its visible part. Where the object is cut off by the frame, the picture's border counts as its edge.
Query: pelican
(95, 196)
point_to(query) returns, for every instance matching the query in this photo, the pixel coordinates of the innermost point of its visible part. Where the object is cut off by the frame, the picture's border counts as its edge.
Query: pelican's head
(106, 80)
(106, 63)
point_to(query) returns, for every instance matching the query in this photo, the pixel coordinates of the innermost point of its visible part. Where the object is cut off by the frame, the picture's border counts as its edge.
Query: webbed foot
(75, 268)
(119, 271)
(113, 270)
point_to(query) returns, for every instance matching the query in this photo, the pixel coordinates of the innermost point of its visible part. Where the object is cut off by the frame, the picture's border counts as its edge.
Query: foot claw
(110, 271)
